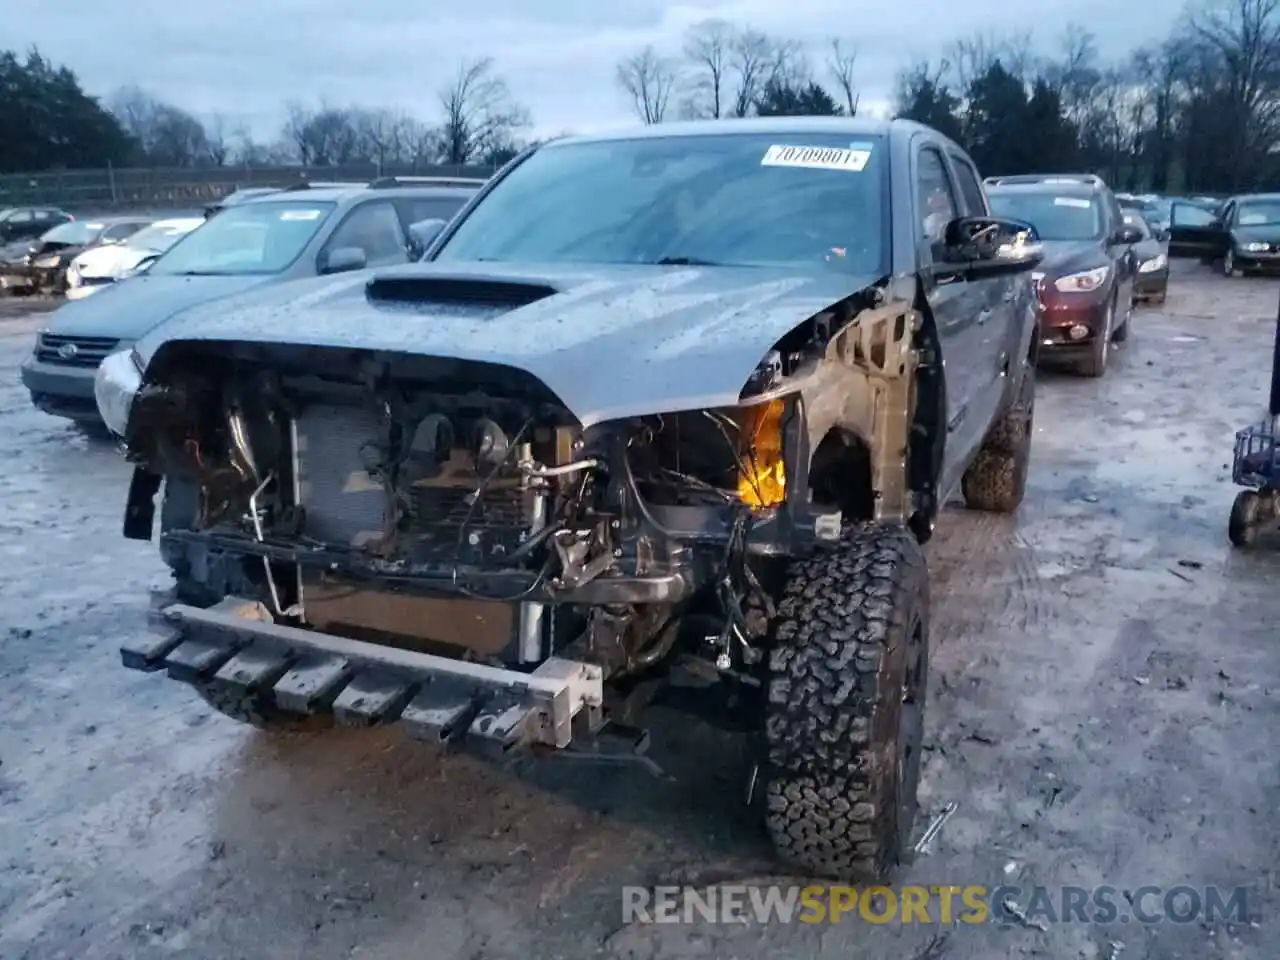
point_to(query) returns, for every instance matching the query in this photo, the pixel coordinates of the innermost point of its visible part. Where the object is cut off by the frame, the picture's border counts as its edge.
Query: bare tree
(753, 62)
(970, 57)
(1241, 38)
(420, 143)
(218, 140)
(1075, 74)
(380, 135)
(1017, 53)
(480, 116)
(789, 65)
(649, 80)
(707, 47)
(840, 64)
(323, 137)
(135, 109)
(168, 135)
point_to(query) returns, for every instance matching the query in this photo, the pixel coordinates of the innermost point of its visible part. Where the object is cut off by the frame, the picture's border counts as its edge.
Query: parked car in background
(298, 232)
(1151, 283)
(1153, 210)
(1085, 283)
(99, 267)
(44, 264)
(25, 223)
(1243, 235)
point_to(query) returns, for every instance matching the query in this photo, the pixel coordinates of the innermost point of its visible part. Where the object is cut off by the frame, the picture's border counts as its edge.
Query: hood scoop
(462, 291)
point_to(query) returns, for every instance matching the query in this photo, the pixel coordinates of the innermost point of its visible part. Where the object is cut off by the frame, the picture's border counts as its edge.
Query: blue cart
(1256, 467)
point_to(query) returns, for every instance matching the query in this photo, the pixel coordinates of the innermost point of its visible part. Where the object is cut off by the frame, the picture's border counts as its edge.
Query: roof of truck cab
(853, 126)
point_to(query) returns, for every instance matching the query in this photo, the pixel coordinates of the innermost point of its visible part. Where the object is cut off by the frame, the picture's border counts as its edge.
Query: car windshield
(160, 236)
(733, 199)
(1258, 213)
(75, 233)
(256, 238)
(1055, 216)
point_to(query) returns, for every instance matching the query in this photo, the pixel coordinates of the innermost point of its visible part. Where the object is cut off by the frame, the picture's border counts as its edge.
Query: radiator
(445, 521)
(345, 506)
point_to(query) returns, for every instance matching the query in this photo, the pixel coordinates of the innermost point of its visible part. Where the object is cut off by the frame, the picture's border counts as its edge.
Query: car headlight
(1255, 247)
(1086, 281)
(50, 261)
(726, 454)
(1158, 262)
(116, 383)
(762, 479)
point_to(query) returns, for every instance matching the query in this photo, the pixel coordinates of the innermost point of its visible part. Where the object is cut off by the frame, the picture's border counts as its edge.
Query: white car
(103, 266)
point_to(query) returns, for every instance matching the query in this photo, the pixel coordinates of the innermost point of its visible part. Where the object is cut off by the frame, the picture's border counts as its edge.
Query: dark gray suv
(297, 232)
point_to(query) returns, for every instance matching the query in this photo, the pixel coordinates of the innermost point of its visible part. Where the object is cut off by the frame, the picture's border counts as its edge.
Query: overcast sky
(245, 58)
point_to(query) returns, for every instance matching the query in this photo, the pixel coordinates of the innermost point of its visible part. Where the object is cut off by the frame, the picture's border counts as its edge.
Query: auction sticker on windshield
(816, 158)
(1077, 202)
(300, 215)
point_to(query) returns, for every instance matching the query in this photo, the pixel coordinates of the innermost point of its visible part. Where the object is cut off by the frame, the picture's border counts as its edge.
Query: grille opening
(74, 351)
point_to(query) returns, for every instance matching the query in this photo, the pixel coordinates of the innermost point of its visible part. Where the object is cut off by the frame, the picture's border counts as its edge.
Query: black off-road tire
(996, 480)
(845, 707)
(257, 710)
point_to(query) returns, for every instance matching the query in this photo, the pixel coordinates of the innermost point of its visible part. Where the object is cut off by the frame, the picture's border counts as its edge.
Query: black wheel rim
(910, 731)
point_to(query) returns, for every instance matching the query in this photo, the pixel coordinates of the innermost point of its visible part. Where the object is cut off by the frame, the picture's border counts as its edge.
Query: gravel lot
(1103, 698)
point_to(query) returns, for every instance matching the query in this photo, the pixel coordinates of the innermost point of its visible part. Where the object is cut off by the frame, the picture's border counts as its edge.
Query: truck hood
(127, 310)
(609, 341)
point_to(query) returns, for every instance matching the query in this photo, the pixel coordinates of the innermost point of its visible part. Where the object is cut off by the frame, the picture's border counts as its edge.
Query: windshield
(1259, 213)
(256, 238)
(75, 233)
(160, 237)
(733, 199)
(1054, 217)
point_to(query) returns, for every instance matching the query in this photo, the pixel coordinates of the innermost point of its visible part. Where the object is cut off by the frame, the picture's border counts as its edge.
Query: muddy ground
(1103, 709)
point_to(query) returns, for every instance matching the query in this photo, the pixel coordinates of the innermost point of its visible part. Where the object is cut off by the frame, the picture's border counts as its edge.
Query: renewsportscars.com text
(972, 904)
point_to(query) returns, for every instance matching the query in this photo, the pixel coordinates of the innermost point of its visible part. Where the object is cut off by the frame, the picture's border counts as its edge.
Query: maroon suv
(1085, 284)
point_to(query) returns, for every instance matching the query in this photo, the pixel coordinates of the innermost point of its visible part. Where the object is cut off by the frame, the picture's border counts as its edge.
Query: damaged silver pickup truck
(664, 417)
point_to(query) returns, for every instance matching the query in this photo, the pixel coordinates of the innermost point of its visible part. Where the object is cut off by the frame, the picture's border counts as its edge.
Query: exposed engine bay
(458, 510)
(417, 494)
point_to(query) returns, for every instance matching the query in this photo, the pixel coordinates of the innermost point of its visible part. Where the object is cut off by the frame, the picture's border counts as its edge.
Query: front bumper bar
(236, 644)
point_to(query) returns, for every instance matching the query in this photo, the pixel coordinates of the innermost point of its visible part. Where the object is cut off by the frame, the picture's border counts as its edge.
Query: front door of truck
(960, 311)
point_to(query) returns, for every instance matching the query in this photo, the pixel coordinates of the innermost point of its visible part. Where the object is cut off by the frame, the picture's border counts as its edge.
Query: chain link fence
(160, 188)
